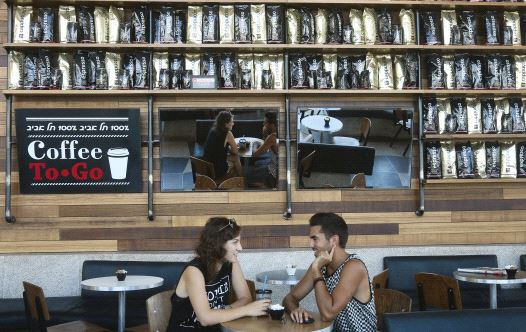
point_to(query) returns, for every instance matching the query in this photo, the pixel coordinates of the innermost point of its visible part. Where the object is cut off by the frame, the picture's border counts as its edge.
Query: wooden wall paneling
(243, 220)
(57, 246)
(218, 209)
(397, 217)
(18, 235)
(488, 216)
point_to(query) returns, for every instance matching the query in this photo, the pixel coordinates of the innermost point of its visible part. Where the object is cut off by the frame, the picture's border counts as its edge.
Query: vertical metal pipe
(288, 213)
(150, 158)
(421, 180)
(8, 133)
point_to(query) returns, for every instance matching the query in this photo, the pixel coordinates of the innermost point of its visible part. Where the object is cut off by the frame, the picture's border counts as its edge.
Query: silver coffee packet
(369, 23)
(520, 71)
(65, 64)
(330, 65)
(160, 63)
(512, 19)
(371, 65)
(192, 61)
(22, 24)
(245, 64)
(503, 115)
(508, 160)
(116, 18)
(15, 70)
(293, 26)
(399, 72)
(444, 114)
(226, 24)
(321, 18)
(357, 24)
(474, 111)
(449, 71)
(260, 63)
(66, 14)
(113, 69)
(194, 33)
(449, 160)
(408, 23)
(385, 72)
(276, 68)
(479, 159)
(258, 23)
(449, 20)
(101, 25)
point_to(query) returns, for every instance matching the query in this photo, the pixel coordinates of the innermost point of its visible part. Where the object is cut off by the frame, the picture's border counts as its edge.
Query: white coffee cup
(291, 269)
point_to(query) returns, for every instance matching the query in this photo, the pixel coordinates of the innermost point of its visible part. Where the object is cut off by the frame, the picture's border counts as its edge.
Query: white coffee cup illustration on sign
(118, 158)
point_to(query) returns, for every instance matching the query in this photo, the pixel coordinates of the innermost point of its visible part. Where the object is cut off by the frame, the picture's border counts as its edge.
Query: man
(340, 281)
(265, 175)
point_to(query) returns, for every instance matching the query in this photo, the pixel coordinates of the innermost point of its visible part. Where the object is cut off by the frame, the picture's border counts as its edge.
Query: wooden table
(265, 324)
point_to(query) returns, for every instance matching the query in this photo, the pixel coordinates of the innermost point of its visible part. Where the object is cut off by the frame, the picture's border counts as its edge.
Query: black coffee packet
(433, 162)
(335, 26)
(142, 72)
(494, 71)
(80, 77)
(210, 23)
(430, 108)
(315, 70)
(432, 30)
(165, 25)
(523, 27)
(46, 18)
(298, 71)
(45, 65)
(464, 161)
(31, 71)
(517, 115)
(492, 28)
(307, 30)
(228, 78)
(176, 68)
(209, 64)
(275, 22)
(180, 27)
(463, 77)
(411, 71)
(384, 28)
(521, 159)
(478, 71)
(458, 106)
(489, 116)
(357, 72)
(493, 160)
(128, 70)
(343, 74)
(435, 71)
(242, 33)
(140, 25)
(97, 61)
(468, 27)
(86, 24)
(508, 72)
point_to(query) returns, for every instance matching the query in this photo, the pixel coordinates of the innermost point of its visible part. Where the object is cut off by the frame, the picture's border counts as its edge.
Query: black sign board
(78, 150)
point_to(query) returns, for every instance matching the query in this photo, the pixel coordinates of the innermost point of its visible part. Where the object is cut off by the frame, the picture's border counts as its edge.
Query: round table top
(280, 277)
(479, 278)
(111, 284)
(265, 324)
(247, 153)
(317, 122)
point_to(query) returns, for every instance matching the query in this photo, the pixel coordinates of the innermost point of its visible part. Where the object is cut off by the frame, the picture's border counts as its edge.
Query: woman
(200, 301)
(218, 142)
(266, 172)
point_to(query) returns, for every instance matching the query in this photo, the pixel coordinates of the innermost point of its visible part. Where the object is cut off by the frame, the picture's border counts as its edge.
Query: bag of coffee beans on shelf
(192, 61)
(330, 66)
(66, 14)
(521, 159)
(276, 68)
(96, 62)
(449, 71)
(242, 32)
(517, 115)
(142, 72)
(86, 20)
(176, 69)
(293, 26)
(429, 105)
(35, 35)
(411, 74)
(458, 105)
(447, 122)
(503, 116)
(335, 26)
(22, 24)
(474, 112)
(81, 73)
(258, 23)
(370, 23)
(508, 72)
(479, 159)
(489, 116)
(492, 160)
(433, 161)
(226, 24)
(315, 70)
(432, 30)
(468, 27)
(449, 22)
(385, 72)
(101, 15)
(46, 18)
(194, 31)
(508, 160)
(435, 71)
(210, 23)
(180, 27)
(209, 64)
(512, 20)
(520, 71)
(357, 25)
(357, 71)
(261, 63)
(299, 71)
(15, 70)
(160, 64)
(408, 23)
(165, 25)
(30, 71)
(45, 65)
(463, 79)
(228, 71)
(492, 28)
(464, 155)
(307, 29)
(384, 28)
(523, 27)
(371, 72)
(141, 25)
(343, 73)
(449, 162)
(275, 16)
(245, 64)
(321, 17)
(478, 71)
(116, 18)
(494, 71)
(113, 69)
(66, 65)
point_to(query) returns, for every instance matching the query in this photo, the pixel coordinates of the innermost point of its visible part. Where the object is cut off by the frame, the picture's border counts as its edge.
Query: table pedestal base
(122, 310)
(493, 296)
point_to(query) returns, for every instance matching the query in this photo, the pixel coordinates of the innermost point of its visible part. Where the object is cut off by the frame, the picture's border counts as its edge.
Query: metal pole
(288, 213)
(150, 158)
(8, 133)
(122, 311)
(421, 180)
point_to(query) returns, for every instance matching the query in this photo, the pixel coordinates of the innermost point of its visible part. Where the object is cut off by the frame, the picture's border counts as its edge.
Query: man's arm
(291, 302)
(351, 277)
(269, 141)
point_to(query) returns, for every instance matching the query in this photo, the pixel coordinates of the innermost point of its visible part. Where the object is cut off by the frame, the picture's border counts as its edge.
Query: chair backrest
(203, 167)
(203, 182)
(333, 158)
(401, 117)
(365, 129)
(305, 166)
(251, 287)
(159, 309)
(380, 280)
(358, 181)
(36, 306)
(390, 301)
(438, 291)
(237, 182)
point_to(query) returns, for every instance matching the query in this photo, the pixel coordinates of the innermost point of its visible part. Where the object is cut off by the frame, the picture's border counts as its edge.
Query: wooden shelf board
(472, 92)
(75, 92)
(74, 46)
(485, 137)
(474, 181)
(216, 92)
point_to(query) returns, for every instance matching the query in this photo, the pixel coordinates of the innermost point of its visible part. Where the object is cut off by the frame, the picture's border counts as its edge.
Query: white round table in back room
(317, 123)
(111, 284)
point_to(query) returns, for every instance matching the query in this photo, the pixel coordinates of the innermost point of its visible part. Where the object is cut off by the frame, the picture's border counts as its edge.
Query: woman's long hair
(222, 119)
(217, 231)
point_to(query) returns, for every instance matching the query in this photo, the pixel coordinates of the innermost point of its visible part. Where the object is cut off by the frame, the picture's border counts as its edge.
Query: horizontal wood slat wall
(455, 214)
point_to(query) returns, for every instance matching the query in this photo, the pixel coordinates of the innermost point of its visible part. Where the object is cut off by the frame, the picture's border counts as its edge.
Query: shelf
(446, 92)
(41, 3)
(74, 46)
(208, 92)
(485, 137)
(475, 181)
(37, 93)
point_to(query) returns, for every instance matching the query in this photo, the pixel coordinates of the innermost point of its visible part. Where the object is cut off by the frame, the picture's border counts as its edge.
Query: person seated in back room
(266, 172)
(340, 280)
(221, 149)
(200, 300)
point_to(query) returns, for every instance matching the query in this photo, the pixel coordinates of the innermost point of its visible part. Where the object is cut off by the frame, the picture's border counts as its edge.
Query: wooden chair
(202, 167)
(402, 121)
(203, 182)
(304, 167)
(380, 280)
(251, 287)
(437, 291)
(389, 301)
(159, 309)
(38, 316)
(358, 181)
(237, 182)
(365, 129)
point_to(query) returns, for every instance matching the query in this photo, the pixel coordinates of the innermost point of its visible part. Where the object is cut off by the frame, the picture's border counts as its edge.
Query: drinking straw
(265, 282)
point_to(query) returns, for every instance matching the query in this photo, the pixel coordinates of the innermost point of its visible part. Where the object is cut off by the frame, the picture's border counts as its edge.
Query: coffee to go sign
(78, 150)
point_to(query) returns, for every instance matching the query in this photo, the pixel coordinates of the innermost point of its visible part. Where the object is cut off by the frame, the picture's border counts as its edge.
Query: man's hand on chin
(323, 258)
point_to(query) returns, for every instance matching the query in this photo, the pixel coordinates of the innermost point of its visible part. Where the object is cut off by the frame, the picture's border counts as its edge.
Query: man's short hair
(331, 224)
